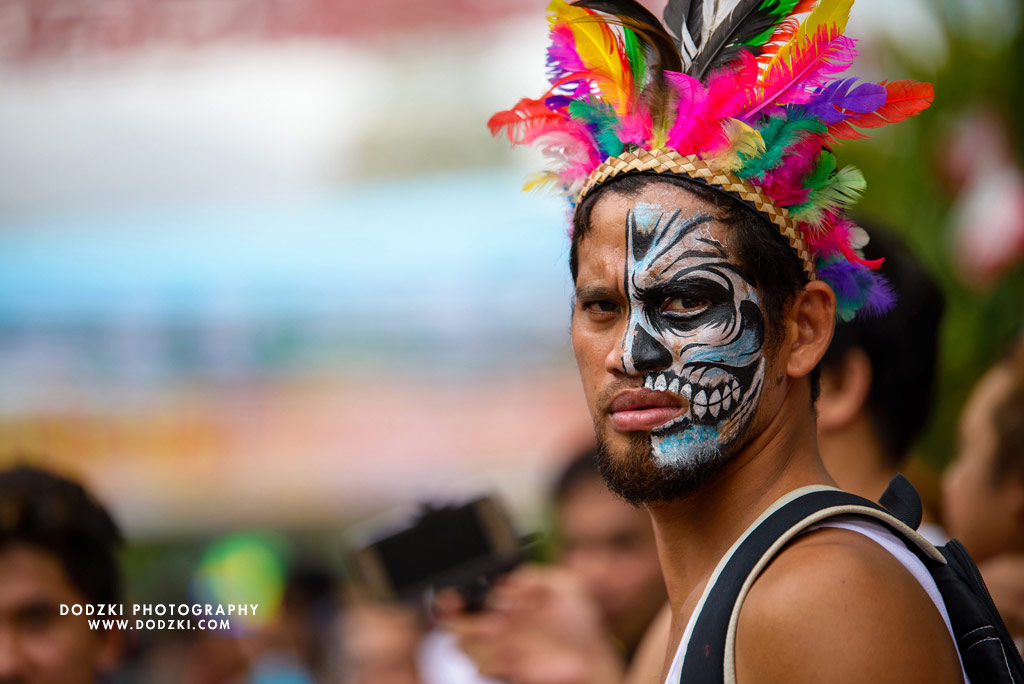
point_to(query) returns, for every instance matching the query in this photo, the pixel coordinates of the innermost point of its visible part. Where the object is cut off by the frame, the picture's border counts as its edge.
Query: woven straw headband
(665, 160)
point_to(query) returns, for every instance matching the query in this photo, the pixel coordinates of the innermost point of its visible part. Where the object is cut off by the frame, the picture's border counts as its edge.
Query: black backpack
(988, 653)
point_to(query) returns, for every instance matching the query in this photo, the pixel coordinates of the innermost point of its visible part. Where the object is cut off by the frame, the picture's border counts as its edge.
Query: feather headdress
(744, 95)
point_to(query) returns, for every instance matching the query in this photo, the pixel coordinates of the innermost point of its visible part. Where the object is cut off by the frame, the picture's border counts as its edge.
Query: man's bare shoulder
(836, 607)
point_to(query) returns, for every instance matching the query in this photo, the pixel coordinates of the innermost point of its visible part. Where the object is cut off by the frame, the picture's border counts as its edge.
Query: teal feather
(603, 123)
(779, 134)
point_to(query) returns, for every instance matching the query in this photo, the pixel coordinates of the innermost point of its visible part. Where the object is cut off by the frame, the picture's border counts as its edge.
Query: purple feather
(857, 289)
(840, 95)
(557, 101)
(842, 276)
(881, 297)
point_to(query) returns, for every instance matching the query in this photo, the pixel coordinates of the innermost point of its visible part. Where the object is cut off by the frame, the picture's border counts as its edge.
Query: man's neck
(694, 533)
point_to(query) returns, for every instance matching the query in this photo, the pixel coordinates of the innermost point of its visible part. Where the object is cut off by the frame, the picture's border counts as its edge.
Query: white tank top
(881, 535)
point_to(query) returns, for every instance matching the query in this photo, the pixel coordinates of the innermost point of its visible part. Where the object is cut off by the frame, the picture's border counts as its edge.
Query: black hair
(777, 271)
(902, 346)
(60, 517)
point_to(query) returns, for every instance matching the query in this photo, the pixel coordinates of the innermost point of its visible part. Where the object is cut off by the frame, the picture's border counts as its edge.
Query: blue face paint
(647, 216)
(696, 444)
(695, 329)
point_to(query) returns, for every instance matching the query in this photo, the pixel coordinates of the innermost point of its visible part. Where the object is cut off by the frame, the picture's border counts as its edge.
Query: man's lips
(639, 409)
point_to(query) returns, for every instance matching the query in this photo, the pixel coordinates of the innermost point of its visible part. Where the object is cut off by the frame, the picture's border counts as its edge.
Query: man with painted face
(697, 337)
(693, 332)
(711, 256)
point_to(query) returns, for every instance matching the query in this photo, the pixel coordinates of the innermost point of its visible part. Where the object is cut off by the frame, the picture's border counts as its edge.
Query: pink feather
(784, 183)
(570, 144)
(729, 90)
(702, 110)
(691, 110)
(834, 237)
(635, 128)
(731, 87)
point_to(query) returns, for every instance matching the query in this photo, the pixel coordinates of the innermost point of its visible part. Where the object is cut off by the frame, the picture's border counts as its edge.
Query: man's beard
(636, 477)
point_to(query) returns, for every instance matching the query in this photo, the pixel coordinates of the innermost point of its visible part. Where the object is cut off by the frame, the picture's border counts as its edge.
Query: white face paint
(695, 329)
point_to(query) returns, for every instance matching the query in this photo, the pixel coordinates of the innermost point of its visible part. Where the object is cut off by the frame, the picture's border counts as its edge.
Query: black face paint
(695, 328)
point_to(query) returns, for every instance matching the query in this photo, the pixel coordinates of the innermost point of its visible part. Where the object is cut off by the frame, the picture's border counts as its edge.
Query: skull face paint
(695, 328)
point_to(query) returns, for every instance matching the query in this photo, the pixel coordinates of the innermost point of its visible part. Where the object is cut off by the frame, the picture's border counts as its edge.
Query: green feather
(636, 53)
(823, 169)
(840, 190)
(781, 10)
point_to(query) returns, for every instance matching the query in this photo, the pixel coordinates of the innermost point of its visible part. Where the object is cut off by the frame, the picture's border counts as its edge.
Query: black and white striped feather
(709, 33)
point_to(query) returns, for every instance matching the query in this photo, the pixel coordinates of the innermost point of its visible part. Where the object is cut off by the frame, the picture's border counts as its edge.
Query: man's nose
(641, 351)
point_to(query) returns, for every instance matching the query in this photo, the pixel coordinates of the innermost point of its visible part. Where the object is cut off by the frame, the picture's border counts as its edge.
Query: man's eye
(684, 306)
(600, 306)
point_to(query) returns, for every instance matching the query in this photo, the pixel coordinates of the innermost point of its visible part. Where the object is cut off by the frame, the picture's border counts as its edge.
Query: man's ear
(810, 322)
(845, 386)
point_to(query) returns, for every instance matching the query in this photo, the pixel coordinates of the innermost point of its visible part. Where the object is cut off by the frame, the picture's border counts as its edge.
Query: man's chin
(639, 474)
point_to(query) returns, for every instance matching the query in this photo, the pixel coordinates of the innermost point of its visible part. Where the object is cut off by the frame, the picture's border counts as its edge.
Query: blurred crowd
(594, 611)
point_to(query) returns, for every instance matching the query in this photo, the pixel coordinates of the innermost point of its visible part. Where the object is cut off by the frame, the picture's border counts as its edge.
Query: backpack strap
(710, 656)
(902, 500)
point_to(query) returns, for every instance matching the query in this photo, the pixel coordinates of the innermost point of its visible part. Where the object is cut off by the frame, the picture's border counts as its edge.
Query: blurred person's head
(308, 610)
(611, 547)
(379, 643)
(57, 546)
(878, 376)
(984, 486)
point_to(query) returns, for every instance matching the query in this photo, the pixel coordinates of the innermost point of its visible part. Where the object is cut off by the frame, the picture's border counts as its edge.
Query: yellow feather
(541, 180)
(659, 133)
(742, 138)
(825, 13)
(600, 51)
(828, 12)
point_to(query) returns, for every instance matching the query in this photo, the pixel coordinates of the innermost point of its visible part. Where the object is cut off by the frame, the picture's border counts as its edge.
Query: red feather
(844, 131)
(905, 99)
(784, 32)
(521, 119)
